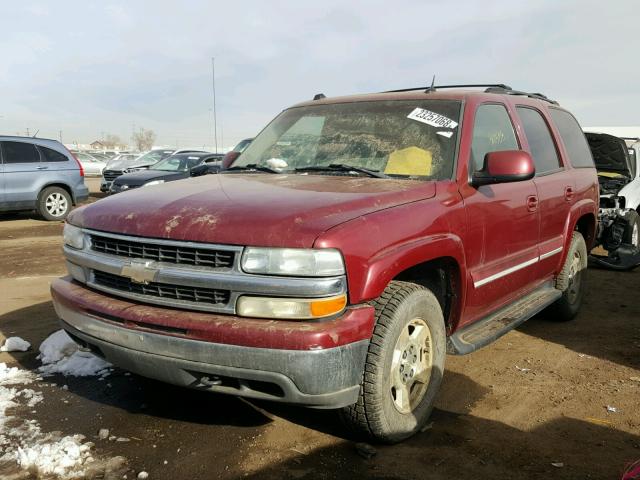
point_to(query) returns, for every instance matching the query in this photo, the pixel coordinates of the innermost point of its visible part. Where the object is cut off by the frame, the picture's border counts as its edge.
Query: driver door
(502, 221)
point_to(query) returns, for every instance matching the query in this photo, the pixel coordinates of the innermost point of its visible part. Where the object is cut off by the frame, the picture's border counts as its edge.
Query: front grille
(180, 255)
(207, 296)
(111, 175)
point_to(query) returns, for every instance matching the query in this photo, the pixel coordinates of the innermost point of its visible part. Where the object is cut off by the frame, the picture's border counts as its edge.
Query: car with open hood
(352, 245)
(616, 159)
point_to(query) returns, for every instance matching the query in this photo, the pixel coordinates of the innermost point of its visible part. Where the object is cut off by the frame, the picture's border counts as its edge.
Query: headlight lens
(153, 182)
(290, 308)
(293, 261)
(73, 236)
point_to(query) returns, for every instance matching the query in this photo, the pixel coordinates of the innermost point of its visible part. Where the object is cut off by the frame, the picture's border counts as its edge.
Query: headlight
(73, 236)
(153, 182)
(290, 308)
(293, 261)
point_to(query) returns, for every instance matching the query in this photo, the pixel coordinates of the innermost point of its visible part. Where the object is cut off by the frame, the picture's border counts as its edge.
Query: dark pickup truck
(355, 243)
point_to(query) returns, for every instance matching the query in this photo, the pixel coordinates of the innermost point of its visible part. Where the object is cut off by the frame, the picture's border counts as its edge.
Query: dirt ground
(536, 397)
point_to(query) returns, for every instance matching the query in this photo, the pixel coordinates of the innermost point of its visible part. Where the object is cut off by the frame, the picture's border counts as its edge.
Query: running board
(483, 332)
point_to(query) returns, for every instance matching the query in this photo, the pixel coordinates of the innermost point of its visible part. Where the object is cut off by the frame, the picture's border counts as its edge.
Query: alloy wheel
(411, 365)
(56, 204)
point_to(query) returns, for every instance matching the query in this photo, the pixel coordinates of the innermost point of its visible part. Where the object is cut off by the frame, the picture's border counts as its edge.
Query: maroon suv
(353, 244)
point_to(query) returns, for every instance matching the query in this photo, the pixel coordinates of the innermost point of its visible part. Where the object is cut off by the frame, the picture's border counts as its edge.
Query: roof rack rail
(511, 91)
(437, 87)
(489, 88)
(630, 138)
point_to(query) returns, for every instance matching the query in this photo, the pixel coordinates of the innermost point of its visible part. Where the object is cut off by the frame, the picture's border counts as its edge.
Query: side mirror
(504, 167)
(229, 158)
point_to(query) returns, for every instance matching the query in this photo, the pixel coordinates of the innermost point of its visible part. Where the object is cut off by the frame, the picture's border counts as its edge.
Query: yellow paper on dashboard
(412, 161)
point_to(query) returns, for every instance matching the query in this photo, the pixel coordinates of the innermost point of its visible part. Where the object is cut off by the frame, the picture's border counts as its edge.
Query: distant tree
(143, 139)
(112, 141)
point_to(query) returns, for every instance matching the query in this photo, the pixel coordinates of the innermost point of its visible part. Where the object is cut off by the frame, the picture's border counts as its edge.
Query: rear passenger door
(22, 171)
(555, 185)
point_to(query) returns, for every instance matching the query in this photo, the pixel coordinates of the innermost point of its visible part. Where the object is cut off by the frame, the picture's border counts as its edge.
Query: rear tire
(571, 281)
(54, 203)
(404, 365)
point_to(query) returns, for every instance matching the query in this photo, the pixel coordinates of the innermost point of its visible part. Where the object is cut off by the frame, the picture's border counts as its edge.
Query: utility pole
(213, 83)
(28, 132)
(60, 135)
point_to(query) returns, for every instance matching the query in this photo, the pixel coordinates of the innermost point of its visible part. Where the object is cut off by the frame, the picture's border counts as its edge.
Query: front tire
(571, 281)
(404, 365)
(54, 203)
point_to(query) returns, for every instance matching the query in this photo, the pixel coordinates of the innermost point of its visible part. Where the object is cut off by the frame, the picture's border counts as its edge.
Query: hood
(248, 209)
(610, 153)
(137, 179)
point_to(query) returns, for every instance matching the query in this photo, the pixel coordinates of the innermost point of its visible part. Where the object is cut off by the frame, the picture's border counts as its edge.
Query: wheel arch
(442, 277)
(62, 185)
(437, 263)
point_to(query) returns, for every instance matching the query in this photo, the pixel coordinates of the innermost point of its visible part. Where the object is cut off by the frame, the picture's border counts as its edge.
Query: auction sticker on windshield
(432, 118)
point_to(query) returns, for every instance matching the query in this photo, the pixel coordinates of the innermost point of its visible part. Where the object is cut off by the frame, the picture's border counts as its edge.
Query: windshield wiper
(342, 167)
(252, 167)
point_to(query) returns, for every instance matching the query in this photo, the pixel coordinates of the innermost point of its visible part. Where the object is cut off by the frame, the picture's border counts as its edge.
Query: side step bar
(482, 332)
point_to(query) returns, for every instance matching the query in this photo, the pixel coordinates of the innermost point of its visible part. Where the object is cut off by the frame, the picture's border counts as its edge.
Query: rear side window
(492, 132)
(543, 150)
(50, 155)
(573, 138)
(19, 152)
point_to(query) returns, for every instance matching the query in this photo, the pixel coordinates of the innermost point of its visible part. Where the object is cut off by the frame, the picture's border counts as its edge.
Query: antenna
(432, 88)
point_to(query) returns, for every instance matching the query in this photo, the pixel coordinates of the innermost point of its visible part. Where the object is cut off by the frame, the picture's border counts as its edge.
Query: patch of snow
(15, 344)
(14, 375)
(60, 354)
(28, 448)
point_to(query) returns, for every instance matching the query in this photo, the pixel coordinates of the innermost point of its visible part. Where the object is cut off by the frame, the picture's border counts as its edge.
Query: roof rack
(510, 91)
(489, 88)
(438, 87)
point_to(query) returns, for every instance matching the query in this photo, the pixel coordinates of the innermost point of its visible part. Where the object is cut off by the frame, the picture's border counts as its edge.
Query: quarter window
(573, 138)
(492, 132)
(543, 150)
(50, 155)
(19, 152)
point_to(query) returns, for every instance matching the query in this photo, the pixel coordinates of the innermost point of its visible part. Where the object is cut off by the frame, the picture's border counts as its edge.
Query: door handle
(532, 203)
(568, 194)
(41, 168)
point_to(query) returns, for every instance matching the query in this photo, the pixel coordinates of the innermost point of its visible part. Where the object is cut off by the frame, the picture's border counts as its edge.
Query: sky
(86, 69)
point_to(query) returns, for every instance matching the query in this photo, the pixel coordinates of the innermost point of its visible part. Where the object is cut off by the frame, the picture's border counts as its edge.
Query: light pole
(213, 84)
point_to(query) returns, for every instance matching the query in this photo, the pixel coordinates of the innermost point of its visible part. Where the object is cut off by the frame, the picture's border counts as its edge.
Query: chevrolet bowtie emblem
(139, 272)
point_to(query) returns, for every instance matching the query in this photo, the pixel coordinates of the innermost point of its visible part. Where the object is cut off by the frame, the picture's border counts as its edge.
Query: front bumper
(316, 364)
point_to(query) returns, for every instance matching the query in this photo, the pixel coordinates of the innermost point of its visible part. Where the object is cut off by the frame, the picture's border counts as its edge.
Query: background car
(175, 167)
(40, 174)
(141, 161)
(92, 166)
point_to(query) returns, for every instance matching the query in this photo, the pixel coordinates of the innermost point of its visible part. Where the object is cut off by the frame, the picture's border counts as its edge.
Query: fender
(389, 263)
(582, 207)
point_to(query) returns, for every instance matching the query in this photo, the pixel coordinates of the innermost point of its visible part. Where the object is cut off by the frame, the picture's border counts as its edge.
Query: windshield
(402, 139)
(152, 157)
(178, 163)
